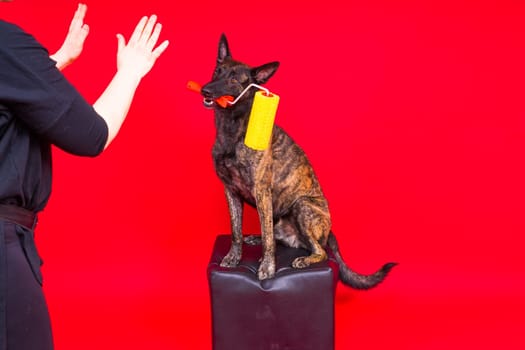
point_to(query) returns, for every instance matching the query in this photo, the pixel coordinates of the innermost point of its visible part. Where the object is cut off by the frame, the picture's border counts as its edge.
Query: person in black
(40, 108)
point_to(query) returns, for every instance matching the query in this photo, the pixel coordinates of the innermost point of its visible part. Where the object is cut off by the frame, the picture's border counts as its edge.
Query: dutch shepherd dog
(278, 181)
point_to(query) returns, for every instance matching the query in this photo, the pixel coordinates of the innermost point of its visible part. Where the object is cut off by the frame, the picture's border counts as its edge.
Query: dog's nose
(206, 91)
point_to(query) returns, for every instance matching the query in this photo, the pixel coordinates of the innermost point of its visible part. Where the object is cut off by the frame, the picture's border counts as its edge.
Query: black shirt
(38, 108)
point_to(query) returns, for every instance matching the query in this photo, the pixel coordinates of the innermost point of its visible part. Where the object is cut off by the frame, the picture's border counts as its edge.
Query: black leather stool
(293, 311)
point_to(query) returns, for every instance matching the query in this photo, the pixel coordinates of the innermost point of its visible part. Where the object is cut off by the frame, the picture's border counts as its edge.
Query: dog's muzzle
(208, 102)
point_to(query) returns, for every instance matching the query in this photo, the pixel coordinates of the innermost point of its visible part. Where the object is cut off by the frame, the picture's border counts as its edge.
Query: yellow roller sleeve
(261, 120)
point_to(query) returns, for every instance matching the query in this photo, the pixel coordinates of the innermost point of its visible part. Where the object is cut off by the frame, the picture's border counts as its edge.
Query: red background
(412, 113)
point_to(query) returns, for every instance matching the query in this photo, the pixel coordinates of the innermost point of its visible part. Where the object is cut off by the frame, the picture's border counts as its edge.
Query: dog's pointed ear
(262, 73)
(224, 51)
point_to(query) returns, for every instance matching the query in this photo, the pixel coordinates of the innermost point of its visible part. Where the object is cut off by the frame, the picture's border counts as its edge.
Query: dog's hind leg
(286, 232)
(318, 255)
(313, 221)
(235, 206)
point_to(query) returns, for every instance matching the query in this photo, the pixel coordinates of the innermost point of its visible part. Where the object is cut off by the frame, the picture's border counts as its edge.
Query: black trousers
(26, 319)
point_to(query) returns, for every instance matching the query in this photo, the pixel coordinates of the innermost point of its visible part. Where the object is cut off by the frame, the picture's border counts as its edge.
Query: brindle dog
(278, 181)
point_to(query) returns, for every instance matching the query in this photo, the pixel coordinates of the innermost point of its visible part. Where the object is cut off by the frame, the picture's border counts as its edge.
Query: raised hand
(74, 42)
(138, 56)
(134, 60)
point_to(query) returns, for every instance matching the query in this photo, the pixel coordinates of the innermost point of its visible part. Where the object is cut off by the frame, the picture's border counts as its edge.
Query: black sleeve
(39, 95)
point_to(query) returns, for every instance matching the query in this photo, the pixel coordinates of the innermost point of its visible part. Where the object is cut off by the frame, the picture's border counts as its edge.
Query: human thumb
(121, 42)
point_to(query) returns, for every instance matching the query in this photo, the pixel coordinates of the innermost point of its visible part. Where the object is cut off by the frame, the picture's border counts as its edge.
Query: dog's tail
(352, 278)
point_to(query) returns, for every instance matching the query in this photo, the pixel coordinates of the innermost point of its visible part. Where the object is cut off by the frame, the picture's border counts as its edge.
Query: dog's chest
(235, 166)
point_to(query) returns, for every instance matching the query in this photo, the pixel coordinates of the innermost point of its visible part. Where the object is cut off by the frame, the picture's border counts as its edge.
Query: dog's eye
(234, 81)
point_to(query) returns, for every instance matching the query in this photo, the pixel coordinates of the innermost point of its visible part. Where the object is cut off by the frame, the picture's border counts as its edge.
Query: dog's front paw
(266, 270)
(230, 260)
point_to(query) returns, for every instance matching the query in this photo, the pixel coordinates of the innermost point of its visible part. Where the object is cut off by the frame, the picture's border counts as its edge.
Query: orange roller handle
(194, 86)
(223, 101)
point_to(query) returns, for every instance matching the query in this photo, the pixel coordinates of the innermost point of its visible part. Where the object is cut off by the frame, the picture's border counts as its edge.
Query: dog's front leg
(263, 198)
(264, 208)
(235, 206)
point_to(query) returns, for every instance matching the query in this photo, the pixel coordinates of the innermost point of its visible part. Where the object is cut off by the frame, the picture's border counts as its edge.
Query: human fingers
(135, 36)
(78, 30)
(160, 49)
(154, 37)
(78, 18)
(148, 28)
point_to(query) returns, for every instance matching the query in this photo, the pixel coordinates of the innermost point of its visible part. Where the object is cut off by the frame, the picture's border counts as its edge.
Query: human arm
(45, 102)
(134, 60)
(74, 42)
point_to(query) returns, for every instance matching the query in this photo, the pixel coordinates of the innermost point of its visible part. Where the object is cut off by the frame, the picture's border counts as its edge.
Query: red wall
(412, 113)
